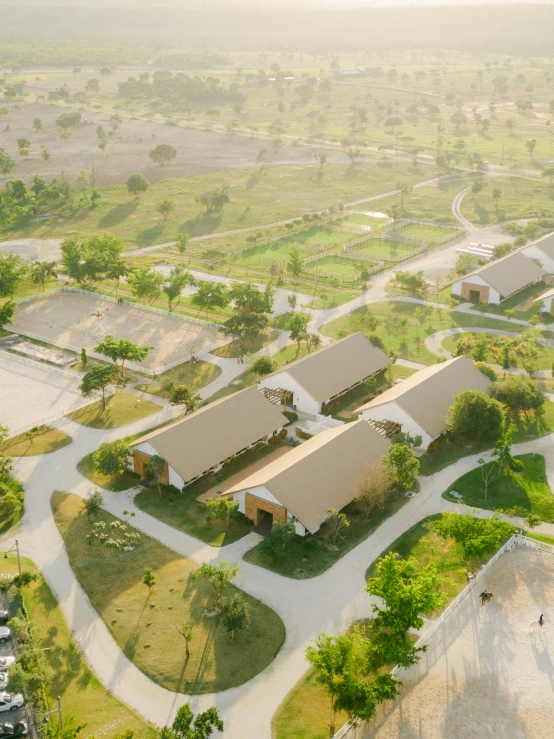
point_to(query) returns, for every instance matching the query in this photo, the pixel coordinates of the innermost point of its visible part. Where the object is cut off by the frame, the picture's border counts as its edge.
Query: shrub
(478, 536)
(291, 416)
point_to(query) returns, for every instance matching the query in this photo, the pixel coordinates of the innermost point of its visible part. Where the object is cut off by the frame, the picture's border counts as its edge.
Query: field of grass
(143, 624)
(409, 345)
(330, 266)
(423, 231)
(527, 427)
(360, 218)
(47, 440)
(81, 692)
(515, 493)
(196, 375)
(521, 198)
(121, 409)
(116, 483)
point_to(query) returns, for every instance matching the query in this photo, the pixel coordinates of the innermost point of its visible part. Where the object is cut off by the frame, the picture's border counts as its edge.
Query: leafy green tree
(111, 457)
(298, 327)
(478, 536)
(98, 378)
(12, 271)
(295, 262)
(185, 395)
(335, 523)
(182, 242)
(404, 189)
(92, 504)
(145, 283)
(245, 325)
(235, 614)
(186, 631)
(503, 448)
(214, 200)
(92, 257)
(210, 295)
(179, 278)
(247, 298)
(402, 466)
(219, 576)
(7, 312)
(92, 85)
(165, 207)
(137, 183)
(475, 417)
(186, 726)
(518, 393)
(68, 120)
(222, 507)
(38, 125)
(480, 348)
(149, 579)
(162, 154)
(531, 146)
(6, 162)
(122, 350)
(157, 467)
(262, 366)
(42, 271)
(282, 533)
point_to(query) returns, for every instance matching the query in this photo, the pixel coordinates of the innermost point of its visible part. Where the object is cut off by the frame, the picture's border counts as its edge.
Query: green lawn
(424, 231)
(520, 199)
(46, 441)
(515, 493)
(116, 483)
(196, 375)
(364, 220)
(340, 267)
(143, 624)
(237, 348)
(81, 692)
(121, 409)
(409, 345)
(527, 428)
(309, 556)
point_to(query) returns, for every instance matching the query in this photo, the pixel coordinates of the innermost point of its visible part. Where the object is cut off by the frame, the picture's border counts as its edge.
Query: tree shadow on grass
(118, 214)
(203, 224)
(254, 179)
(483, 214)
(150, 235)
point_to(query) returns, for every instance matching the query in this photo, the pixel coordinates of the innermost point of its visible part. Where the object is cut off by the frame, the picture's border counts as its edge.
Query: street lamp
(16, 547)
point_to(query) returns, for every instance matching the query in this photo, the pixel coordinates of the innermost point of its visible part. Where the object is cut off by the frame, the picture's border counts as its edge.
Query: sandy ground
(29, 394)
(42, 249)
(484, 674)
(66, 318)
(243, 474)
(198, 152)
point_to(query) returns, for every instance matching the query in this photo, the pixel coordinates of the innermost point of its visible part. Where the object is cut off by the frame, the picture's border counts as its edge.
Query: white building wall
(494, 295)
(393, 412)
(301, 399)
(546, 305)
(145, 448)
(546, 262)
(262, 492)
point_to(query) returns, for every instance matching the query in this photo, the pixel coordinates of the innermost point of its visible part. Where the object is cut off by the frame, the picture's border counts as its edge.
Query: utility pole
(60, 714)
(18, 557)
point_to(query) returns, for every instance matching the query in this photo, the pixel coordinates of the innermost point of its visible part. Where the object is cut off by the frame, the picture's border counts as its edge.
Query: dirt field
(484, 674)
(198, 152)
(66, 318)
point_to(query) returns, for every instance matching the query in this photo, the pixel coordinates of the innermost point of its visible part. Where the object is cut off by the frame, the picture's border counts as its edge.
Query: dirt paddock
(67, 318)
(484, 674)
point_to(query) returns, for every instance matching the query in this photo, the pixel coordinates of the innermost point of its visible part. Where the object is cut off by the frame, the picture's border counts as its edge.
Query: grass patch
(47, 440)
(528, 427)
(144, 626)
(309, 556)
(116, 483)
(545, 357)
(196, 375)
(237, 348)
(121, 409)
(81, 692)
(515, 493)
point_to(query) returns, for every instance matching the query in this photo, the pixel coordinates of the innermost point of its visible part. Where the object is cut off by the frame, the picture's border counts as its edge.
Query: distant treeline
(133, 34)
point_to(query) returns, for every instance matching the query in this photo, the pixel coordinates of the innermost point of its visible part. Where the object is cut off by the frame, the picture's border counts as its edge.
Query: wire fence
(518, 539)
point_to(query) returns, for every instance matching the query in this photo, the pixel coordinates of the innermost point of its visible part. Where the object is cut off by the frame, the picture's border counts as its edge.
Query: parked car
(6, 663)
(11, 702)
(5, 634)
(7, 731)
(4, 616)
(3, 680)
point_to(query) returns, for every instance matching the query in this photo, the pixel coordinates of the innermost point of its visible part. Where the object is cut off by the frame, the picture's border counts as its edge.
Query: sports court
(79, 320)
(31, 392)
(484, 674)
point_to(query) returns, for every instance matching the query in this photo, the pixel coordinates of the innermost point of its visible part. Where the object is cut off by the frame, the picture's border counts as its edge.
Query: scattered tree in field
(336, 522)
(115, 122)
(298, 326)
(214, 200)
(373, 488)
(6, 162)
(219, 576)
(182, 242)
(68, 120)
(496, 194)
(38, 125)
(145, 283)
(149, 579)
(186, 631)
(97, 379)
(157, 467)
(235, 614)
(475, 417)
(111, 457)
(210, 295)
(44, 153)
(531, 146)
(165, 207)
(295, 262)
(186, 726)
(402, 466)
(137, 183)
(42, 271)
(185, 395)
(262, 366)
(179, 278)
(122, 350)
(162, 154)
(404, 189)
(92, 85)
(92, 504)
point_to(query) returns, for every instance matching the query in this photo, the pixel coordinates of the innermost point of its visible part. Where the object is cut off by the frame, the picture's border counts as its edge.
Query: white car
(5, 634)
(11, 702)
(3, 680)
(6, 663)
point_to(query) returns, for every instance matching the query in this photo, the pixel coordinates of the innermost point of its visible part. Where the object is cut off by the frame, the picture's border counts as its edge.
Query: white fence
(516, 540)
(39, 364)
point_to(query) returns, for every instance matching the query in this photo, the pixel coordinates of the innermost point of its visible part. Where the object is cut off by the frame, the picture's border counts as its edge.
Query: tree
(68, 120)
(374, 487)
(478, 536)
(530, 146)
(98, 378)
(282, 532)
(336, 522)
(7, 311)
(12, 271)
(402, 466)
(157, 467)
(137, 183)
(219, 576)
(121, 538)
(93, 504)
(496, 194)
(247, 298)
(475, 417)
(503, 448)
(298, 326)
(111, 457)
(92, 85)
(149, 579)
(37, 125)
(235, 614)
(6, 162)
(162, 154)
(165, 207)
(145, 283)
(91, 258)
(222, 507)
(488, 471)
(404, 189)
(518, 393)
(186, 631)
(186, 726)
(185, 395)
(182, 243)
(295, 262)
(122, 350)
(245, 325)
(44, 153)
(214, 200)
(42, 271)
(210, 295)
(179, 278)
(262, 366)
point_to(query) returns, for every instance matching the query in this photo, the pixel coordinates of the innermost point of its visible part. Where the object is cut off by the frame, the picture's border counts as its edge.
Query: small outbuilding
(204, 441)
(498, 280)
(420, 403)
(302, 485)
(308, 384)
(546, 301)
(543, 252)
